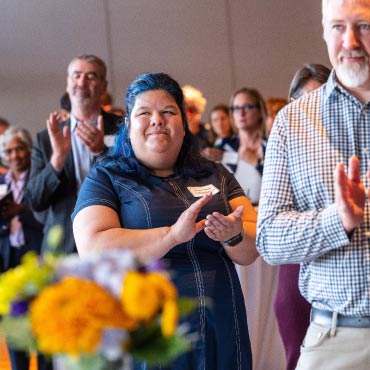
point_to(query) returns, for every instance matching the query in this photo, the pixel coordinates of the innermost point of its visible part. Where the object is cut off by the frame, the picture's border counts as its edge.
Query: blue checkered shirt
(297, 219)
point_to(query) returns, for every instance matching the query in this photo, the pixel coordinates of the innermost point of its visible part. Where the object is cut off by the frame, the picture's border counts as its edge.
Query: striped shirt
(298, 221)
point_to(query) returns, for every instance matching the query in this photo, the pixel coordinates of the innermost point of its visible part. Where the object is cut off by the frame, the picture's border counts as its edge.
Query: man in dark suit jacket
(63, 154)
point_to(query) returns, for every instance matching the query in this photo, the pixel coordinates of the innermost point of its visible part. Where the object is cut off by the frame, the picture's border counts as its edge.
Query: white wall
(216, 45)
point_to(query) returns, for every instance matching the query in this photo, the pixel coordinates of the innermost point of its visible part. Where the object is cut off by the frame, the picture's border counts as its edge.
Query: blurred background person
(4, 124)
(223, 132)
(19, 230)
(118, 111)
(248, 111)
(259, 280)
(195, 104)
(64, 153)
(291, 309)
(308, 78)
(65, 107)
(273, 105)
(107, 101)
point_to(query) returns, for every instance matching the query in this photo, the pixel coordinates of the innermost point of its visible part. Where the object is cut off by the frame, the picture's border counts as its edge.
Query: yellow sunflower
(170, 317)
(164, 286)
(68, 317)
(140, 298)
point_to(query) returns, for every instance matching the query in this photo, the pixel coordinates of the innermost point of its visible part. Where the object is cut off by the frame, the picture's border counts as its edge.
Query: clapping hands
(350, 194)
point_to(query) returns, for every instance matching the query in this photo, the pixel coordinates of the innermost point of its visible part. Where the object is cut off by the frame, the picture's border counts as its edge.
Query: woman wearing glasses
(19, 230)
(259, 280)
(248, 111)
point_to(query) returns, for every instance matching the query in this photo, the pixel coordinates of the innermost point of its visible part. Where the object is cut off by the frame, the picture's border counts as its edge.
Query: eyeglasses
(245, 108)
(17, 149)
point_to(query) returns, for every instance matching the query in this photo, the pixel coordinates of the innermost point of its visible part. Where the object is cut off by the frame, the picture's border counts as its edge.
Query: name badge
(200, 191)
(109, 140)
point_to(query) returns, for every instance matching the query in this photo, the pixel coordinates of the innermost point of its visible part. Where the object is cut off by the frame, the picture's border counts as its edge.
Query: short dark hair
(65, 102)
(4, 122)
(189, 161)
(308, 72)
(224, 108)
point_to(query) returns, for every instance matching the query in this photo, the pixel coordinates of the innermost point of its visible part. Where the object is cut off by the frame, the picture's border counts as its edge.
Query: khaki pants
(347, 349)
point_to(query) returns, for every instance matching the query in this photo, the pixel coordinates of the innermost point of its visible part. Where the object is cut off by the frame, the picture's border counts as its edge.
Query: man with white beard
(313, 208)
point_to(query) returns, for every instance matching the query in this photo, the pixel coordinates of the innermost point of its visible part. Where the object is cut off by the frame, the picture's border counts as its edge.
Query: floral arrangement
(94, 313)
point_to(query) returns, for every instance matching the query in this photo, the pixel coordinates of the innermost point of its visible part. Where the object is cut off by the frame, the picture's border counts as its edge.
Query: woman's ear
(126, 121)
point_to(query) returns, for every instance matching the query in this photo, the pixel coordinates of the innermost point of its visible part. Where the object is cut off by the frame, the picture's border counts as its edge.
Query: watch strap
(233, 241)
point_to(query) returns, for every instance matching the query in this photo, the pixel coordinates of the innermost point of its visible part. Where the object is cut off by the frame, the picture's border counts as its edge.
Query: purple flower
(19, 308)
(155, 265)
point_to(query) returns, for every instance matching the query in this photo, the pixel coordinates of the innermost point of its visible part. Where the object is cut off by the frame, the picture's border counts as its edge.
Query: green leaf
(145, 334)
(17, 332)
(186, 305)
(161, 349)
(87, 362)
(54, 238)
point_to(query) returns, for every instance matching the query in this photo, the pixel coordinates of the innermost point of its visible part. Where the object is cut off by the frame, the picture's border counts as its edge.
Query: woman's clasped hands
(216, 226)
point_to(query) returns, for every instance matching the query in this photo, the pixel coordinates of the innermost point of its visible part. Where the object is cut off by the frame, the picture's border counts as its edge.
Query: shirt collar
(333, 88)
(74, 122)
(331, 85)
(9, 176)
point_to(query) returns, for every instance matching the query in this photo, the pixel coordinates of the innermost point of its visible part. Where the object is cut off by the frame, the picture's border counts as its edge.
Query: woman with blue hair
(156, 195)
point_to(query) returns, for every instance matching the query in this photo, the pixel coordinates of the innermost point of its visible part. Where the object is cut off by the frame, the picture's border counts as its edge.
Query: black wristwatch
(233, 241)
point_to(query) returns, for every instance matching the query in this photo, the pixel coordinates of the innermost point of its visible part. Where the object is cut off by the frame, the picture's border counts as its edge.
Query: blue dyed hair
(189, 161)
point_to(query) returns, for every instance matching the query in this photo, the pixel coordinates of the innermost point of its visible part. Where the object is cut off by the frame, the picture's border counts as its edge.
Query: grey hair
(92, 59)
(325, 4)
(15, 132)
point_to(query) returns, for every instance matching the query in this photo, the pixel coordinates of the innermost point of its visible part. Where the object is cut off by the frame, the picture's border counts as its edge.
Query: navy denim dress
(200, 268)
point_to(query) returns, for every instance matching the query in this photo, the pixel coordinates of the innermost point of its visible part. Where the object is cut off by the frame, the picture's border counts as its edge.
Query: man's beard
(83, 101)
(353, 75)
(82, 97)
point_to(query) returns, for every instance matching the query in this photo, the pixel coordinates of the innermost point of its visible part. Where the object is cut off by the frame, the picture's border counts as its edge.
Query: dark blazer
(54, 193)
(33, 235)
